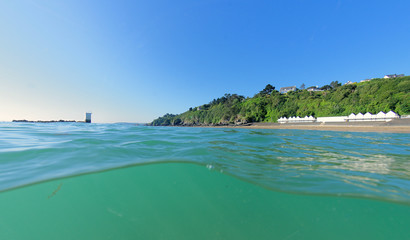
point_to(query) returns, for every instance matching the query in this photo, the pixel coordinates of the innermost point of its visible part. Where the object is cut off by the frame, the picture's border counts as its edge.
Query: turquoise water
(201, 183)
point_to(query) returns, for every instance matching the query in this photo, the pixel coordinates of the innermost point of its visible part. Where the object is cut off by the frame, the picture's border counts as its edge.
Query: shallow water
(205, 184)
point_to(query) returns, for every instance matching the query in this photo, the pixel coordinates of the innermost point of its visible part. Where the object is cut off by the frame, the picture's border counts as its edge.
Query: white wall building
(314, 89)
(381, 116)
(393, 75)
(287, 89)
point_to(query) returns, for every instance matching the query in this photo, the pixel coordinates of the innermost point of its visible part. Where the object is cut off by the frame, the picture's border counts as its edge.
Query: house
(366, 80)
(350, 82)
(394, 75)
(314, 89)
(287, 89)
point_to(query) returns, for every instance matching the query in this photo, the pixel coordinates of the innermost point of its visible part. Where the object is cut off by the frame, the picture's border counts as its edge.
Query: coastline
(394, 126)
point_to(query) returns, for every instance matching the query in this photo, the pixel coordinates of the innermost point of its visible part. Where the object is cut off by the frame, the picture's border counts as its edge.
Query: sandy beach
(394, 126)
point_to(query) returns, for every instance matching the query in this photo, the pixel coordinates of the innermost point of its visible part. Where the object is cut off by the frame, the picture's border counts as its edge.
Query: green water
(187, 201)
(122, 181)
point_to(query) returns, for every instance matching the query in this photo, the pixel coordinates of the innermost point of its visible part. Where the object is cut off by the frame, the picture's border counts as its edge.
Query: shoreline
(394, 126)
(385, 129)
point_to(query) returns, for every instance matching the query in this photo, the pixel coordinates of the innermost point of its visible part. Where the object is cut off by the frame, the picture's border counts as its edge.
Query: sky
(133, 61)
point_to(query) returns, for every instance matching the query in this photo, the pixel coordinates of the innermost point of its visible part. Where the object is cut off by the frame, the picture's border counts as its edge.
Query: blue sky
(134, 60)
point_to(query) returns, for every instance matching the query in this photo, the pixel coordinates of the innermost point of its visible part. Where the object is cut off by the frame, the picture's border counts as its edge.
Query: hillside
(268, 105)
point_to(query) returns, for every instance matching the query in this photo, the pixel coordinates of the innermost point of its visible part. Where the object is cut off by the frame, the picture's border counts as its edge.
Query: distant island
(40, 121)
(87, 120)
(370, 95)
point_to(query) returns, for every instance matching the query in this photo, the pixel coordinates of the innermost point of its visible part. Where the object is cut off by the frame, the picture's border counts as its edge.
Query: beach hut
(352, 117)
(381, 116)
(392, 114)
(282, 120)
(368, 116)
(359, 116)
(309, 119)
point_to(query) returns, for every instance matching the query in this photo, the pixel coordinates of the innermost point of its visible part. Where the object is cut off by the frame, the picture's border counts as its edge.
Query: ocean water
(122, 181)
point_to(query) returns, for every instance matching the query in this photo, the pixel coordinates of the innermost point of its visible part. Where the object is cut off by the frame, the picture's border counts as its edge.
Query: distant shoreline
(395, 126)
(47, 121)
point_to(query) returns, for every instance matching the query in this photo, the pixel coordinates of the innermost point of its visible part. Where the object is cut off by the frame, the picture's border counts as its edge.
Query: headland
(376, 105)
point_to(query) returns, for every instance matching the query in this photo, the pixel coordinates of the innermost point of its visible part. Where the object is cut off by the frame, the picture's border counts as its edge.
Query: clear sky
(133, 60)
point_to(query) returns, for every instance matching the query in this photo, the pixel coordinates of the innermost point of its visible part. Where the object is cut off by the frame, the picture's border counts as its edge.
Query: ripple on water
(313, 162)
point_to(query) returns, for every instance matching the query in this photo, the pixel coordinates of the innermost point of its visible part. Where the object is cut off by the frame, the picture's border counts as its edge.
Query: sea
(124, 181)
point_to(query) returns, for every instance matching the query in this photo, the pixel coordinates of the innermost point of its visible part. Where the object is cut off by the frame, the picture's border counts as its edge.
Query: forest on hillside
(269, 105)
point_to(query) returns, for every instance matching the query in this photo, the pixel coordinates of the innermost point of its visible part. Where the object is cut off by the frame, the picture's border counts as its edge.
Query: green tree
(267, 90)
(335, 84)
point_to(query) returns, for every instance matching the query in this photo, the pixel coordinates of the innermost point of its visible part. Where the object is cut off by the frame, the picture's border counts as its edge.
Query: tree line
(269, 105)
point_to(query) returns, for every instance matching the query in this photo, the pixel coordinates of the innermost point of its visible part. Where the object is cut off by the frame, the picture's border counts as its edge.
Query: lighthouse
(88, 117)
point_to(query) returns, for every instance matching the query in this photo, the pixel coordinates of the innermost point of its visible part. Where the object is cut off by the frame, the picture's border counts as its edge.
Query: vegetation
(268, 105)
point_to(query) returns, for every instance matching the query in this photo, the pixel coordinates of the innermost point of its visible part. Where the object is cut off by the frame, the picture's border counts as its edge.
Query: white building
(314, 89)
(394, 75)
(297, 119)
(392, 114)
(366, 80)
(287, 89)
(381, 116)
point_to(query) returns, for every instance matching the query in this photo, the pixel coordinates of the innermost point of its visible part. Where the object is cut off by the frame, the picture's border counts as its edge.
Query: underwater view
(122, 181)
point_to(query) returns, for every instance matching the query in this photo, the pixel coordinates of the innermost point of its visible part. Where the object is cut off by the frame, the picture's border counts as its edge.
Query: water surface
(201, 183)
